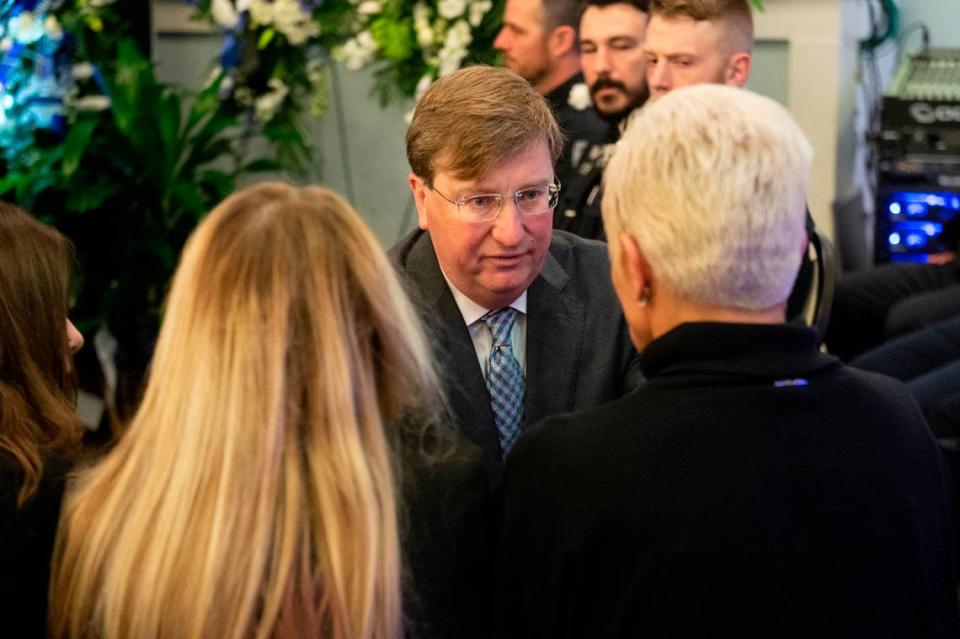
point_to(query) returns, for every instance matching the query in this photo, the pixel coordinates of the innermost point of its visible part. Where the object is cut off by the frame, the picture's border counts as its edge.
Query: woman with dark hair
(38, 427)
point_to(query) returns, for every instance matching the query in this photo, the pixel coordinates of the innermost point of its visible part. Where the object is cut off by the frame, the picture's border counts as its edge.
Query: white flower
(579, 96)
(261, 12)
(295, 24)
(422, 86)
(451, 9)
(52, 26)
(425, 37)
(82, 71)
(458, 36)
(478, 9)
(25, 28)
(369, 7)
(357, 52)
(449, 59)
(93, 103)
(226, 85)
(421, 14)
(454, 49)
(266, 106)
(6, 44)
(101, 3)
(224, 13)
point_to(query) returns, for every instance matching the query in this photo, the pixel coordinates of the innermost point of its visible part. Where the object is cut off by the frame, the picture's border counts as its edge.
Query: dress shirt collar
(472, 311)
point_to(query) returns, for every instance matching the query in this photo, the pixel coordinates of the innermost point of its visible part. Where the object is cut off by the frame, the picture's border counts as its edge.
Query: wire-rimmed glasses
(531, 200)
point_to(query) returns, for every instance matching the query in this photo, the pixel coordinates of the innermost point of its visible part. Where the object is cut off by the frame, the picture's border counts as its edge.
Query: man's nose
(502, 40)
(658, 76)
(601, 61)
(508, 227)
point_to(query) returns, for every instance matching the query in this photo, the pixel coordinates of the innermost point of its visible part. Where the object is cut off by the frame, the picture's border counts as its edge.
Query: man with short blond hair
(539, 43)
(698, 41)
(524, 320)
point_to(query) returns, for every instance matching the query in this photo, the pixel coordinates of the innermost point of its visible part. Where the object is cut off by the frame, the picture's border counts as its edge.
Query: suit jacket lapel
(467, 394)
(555, 322)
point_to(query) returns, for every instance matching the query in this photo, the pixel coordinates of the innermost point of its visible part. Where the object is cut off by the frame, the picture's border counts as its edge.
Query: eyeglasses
(532, 200)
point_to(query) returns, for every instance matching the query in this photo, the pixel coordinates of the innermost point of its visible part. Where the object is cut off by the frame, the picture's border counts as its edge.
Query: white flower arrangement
(446, 35)
(407, 43)
(266, 105)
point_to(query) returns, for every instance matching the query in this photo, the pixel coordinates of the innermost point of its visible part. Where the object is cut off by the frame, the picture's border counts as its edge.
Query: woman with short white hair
(755, 487)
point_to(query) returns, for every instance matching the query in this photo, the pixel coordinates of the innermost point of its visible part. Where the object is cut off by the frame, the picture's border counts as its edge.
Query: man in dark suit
(524, 320)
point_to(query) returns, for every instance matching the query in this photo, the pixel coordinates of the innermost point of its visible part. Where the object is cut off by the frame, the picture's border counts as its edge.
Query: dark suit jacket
(578, 354)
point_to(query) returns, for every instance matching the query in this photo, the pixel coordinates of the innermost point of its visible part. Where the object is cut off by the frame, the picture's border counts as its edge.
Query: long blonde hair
(254, 494)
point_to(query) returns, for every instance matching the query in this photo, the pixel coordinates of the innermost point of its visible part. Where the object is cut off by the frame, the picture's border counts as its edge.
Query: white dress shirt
(481, 335)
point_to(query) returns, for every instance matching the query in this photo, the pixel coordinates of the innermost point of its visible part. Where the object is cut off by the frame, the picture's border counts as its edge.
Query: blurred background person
(614, 67)
(539, 43)
(754, 487)
(256, 491)
(39, 432)
(611, 53)
(698, 41)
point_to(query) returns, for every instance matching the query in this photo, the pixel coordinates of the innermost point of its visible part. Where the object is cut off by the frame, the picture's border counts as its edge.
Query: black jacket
(754, 487)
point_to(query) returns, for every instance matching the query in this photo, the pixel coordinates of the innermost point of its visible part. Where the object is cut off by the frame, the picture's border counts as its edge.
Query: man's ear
(634, 267)
(561, 41)
(738, 69)
(419, 189)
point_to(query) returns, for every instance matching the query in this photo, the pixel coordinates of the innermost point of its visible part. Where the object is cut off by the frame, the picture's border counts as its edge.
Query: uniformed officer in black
(614, 66)
(539, 42)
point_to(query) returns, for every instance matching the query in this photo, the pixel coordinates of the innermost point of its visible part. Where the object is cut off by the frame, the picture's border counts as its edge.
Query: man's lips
(607, 92)
(506, 259)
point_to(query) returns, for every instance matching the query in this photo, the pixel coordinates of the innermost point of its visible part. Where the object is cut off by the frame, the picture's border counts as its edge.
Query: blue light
(916, 209)
(895, 208)
(894, 239)
(955, 203)
(936, 200)
(932, 230)
(8, 101)
(916, 240)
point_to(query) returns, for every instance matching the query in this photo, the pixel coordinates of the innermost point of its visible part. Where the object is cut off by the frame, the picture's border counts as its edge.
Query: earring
(644, 297)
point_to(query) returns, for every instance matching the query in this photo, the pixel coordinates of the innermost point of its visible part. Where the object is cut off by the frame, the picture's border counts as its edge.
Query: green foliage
(129, 183)
(396, 38)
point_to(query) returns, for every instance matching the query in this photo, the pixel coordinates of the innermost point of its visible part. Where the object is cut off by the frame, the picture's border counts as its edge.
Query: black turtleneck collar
(777, 351)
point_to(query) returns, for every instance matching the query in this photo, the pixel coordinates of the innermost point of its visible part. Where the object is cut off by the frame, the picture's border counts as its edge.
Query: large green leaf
(91, 198)
(76, 144)
(261, 165)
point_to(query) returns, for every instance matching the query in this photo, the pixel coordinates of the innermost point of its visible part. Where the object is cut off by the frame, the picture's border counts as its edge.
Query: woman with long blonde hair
(254, 494)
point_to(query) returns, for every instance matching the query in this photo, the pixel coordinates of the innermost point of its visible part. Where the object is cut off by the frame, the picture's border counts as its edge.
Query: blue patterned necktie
(504, 378)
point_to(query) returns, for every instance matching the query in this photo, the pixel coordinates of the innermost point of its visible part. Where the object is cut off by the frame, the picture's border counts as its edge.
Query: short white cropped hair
(711, 180)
